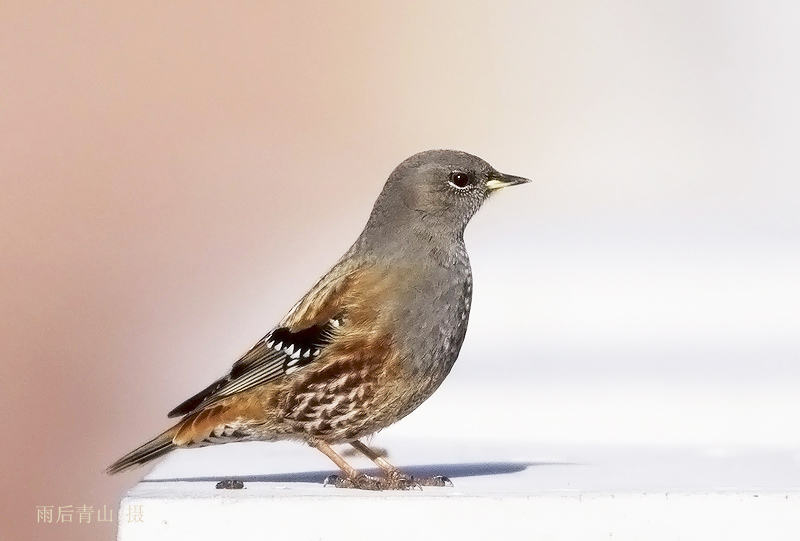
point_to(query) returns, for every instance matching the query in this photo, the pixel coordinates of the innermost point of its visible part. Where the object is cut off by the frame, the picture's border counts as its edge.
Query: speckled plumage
(372, 340)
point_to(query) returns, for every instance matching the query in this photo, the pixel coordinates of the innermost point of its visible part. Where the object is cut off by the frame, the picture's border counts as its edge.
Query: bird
(368, 343)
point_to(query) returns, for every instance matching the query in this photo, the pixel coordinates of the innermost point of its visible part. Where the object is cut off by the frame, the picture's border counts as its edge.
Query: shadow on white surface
(452, 470)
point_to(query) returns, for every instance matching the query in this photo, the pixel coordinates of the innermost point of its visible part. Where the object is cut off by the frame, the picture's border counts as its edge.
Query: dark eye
(459, 179)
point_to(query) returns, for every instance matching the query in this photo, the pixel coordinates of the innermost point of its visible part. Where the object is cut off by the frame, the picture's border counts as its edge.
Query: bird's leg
(397, 478)
(353, 478)
(375, 457)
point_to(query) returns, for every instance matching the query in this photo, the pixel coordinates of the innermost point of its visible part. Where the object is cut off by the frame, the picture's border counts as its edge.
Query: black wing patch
(279, 353)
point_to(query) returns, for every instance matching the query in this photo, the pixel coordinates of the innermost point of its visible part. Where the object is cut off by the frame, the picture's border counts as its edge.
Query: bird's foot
(398, 480)
(361, 481)
(394, 481)
(230, 484)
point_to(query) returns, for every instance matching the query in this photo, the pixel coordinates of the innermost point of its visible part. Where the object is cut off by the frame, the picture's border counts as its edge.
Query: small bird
(371, 341)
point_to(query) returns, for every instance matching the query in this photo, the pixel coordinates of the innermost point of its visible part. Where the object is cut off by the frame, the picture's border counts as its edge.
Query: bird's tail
(157, 447)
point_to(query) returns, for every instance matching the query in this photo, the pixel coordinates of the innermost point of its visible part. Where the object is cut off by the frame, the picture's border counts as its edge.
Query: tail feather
(153, 449)
(194, 430)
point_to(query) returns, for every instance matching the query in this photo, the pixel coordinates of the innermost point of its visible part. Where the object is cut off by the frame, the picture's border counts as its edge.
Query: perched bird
(372, 340)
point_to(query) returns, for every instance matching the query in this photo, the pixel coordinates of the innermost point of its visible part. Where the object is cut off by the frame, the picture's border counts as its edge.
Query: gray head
(434, 194)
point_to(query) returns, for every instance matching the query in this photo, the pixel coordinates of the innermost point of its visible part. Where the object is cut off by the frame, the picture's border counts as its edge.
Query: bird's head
(437, 192)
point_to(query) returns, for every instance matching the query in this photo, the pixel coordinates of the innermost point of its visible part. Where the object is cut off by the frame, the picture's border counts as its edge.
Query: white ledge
(510, 491)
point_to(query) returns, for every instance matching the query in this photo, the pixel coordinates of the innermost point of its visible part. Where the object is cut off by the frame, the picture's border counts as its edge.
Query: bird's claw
(435, 481)
(331, 480)
(363, 482)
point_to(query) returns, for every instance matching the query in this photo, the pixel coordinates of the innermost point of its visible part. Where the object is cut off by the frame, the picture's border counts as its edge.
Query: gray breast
(436, 315)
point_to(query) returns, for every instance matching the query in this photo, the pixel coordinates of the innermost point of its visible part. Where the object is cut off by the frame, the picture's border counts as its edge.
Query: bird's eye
(459, 179)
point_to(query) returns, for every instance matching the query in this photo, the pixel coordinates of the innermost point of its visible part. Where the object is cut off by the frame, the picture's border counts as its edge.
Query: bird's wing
(299, 339)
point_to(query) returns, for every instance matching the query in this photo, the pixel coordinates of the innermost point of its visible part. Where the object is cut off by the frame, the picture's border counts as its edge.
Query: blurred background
(175, 175)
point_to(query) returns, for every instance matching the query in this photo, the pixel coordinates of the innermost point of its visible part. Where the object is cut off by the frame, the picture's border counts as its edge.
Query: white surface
(510, 491)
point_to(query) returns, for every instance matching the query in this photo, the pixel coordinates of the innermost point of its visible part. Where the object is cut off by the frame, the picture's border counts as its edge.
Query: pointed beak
(499, 180)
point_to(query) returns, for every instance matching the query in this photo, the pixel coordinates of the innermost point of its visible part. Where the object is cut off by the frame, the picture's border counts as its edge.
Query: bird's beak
(499, 180)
